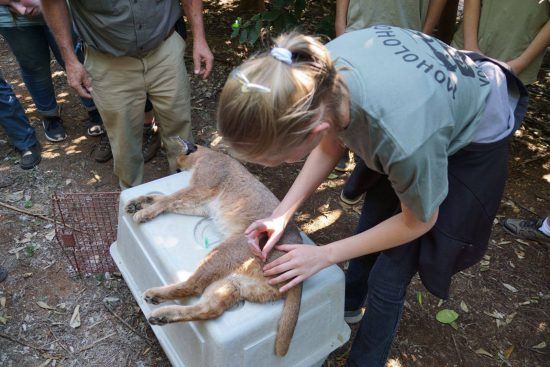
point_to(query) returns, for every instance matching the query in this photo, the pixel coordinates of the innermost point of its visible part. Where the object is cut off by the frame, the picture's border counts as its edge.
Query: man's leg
(168, 90)
(31, 49)
(17, 127)
(119, 94)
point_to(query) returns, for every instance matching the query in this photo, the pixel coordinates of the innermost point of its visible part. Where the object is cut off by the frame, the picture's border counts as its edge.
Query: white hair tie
(282, 54)
(247, 86)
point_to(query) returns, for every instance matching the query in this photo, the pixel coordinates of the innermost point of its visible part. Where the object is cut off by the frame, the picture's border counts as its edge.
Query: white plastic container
(169, 248)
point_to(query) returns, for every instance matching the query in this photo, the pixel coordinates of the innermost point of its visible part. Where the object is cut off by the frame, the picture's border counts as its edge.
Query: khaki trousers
(120, 87)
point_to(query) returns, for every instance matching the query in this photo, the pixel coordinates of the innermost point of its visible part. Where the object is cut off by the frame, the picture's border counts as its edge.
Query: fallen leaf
(75, 319)
(522, 242)
(46, 362)
(483, 352)
(16, 196)
(2, 302)
(520, 254)
(446, 316)
(439, 303)
(505, 242)
(111, 299)
(463, 306)
(495, 314)
(332, 176)
(510, 287)
(510, 317)
(454, 325)
(3, 320)
(508, 352)
(419, 298)
(50, 235)
(540, 345)
(27, 275)
(44, 305)
(484, 263)
(486, 257)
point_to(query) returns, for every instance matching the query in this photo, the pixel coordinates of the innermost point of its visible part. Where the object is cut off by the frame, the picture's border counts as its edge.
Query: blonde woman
(431, 121)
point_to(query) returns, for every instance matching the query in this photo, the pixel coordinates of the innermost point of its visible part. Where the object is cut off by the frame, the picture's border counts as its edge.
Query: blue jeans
(13, 119)
(31, 46)
(379, 281)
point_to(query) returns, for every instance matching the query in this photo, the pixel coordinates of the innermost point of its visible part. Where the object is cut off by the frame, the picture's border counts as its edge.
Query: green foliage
(446, 316)
(30, 250)
(281, 16)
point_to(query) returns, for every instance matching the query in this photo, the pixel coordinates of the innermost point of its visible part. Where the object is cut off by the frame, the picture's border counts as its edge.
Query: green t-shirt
(506, 28)
(414, 102)
(401, 13)
(9, 20)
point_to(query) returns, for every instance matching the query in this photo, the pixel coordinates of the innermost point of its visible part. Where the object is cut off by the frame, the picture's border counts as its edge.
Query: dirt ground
(503, 303)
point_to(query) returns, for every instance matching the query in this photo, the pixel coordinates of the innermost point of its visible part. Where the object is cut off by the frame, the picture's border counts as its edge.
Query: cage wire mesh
(85, 228)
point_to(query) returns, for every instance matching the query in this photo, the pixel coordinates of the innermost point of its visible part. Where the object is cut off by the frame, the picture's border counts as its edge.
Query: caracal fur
(221, 188)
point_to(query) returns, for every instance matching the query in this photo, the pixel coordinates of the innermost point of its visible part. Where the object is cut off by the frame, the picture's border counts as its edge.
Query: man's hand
(79, 79)
(202, 55)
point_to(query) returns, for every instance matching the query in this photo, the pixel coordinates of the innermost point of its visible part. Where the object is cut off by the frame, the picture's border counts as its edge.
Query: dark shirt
(124, 27)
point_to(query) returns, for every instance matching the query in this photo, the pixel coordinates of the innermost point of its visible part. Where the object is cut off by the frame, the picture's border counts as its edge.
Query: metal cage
(85, 228)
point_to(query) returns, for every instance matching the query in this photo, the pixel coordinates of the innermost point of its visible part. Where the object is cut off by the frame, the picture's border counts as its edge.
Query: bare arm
(201, 51)
(318, 165)
(300, 262)
(435, 8)
(537, 46)
(472, 9)
(341, 16)
(56, 14)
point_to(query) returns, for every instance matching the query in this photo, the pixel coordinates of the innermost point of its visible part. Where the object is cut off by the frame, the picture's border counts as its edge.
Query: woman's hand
(299, 263)
(273, 227)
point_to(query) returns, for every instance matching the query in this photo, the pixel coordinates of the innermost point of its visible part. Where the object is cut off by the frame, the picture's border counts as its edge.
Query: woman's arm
(316, 168)
(472, 9)
(300, 262)
(435, 8)
(537, 46)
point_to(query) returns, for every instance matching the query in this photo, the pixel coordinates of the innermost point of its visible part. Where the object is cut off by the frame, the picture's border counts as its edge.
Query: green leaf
(100, 277)
(235, 33)
(244, 36)
(236, 24)
(419, 297)
(446, 316)
(332, 176)
(27, 204)
(30, 250)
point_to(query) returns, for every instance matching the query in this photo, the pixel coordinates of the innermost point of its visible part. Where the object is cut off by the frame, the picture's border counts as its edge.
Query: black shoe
(151, 142)
(53, 128)
(94, 124)
(30, 157)
(102, 151)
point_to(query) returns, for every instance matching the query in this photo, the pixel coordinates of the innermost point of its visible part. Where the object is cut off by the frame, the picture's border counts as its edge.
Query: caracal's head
(184, 160)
